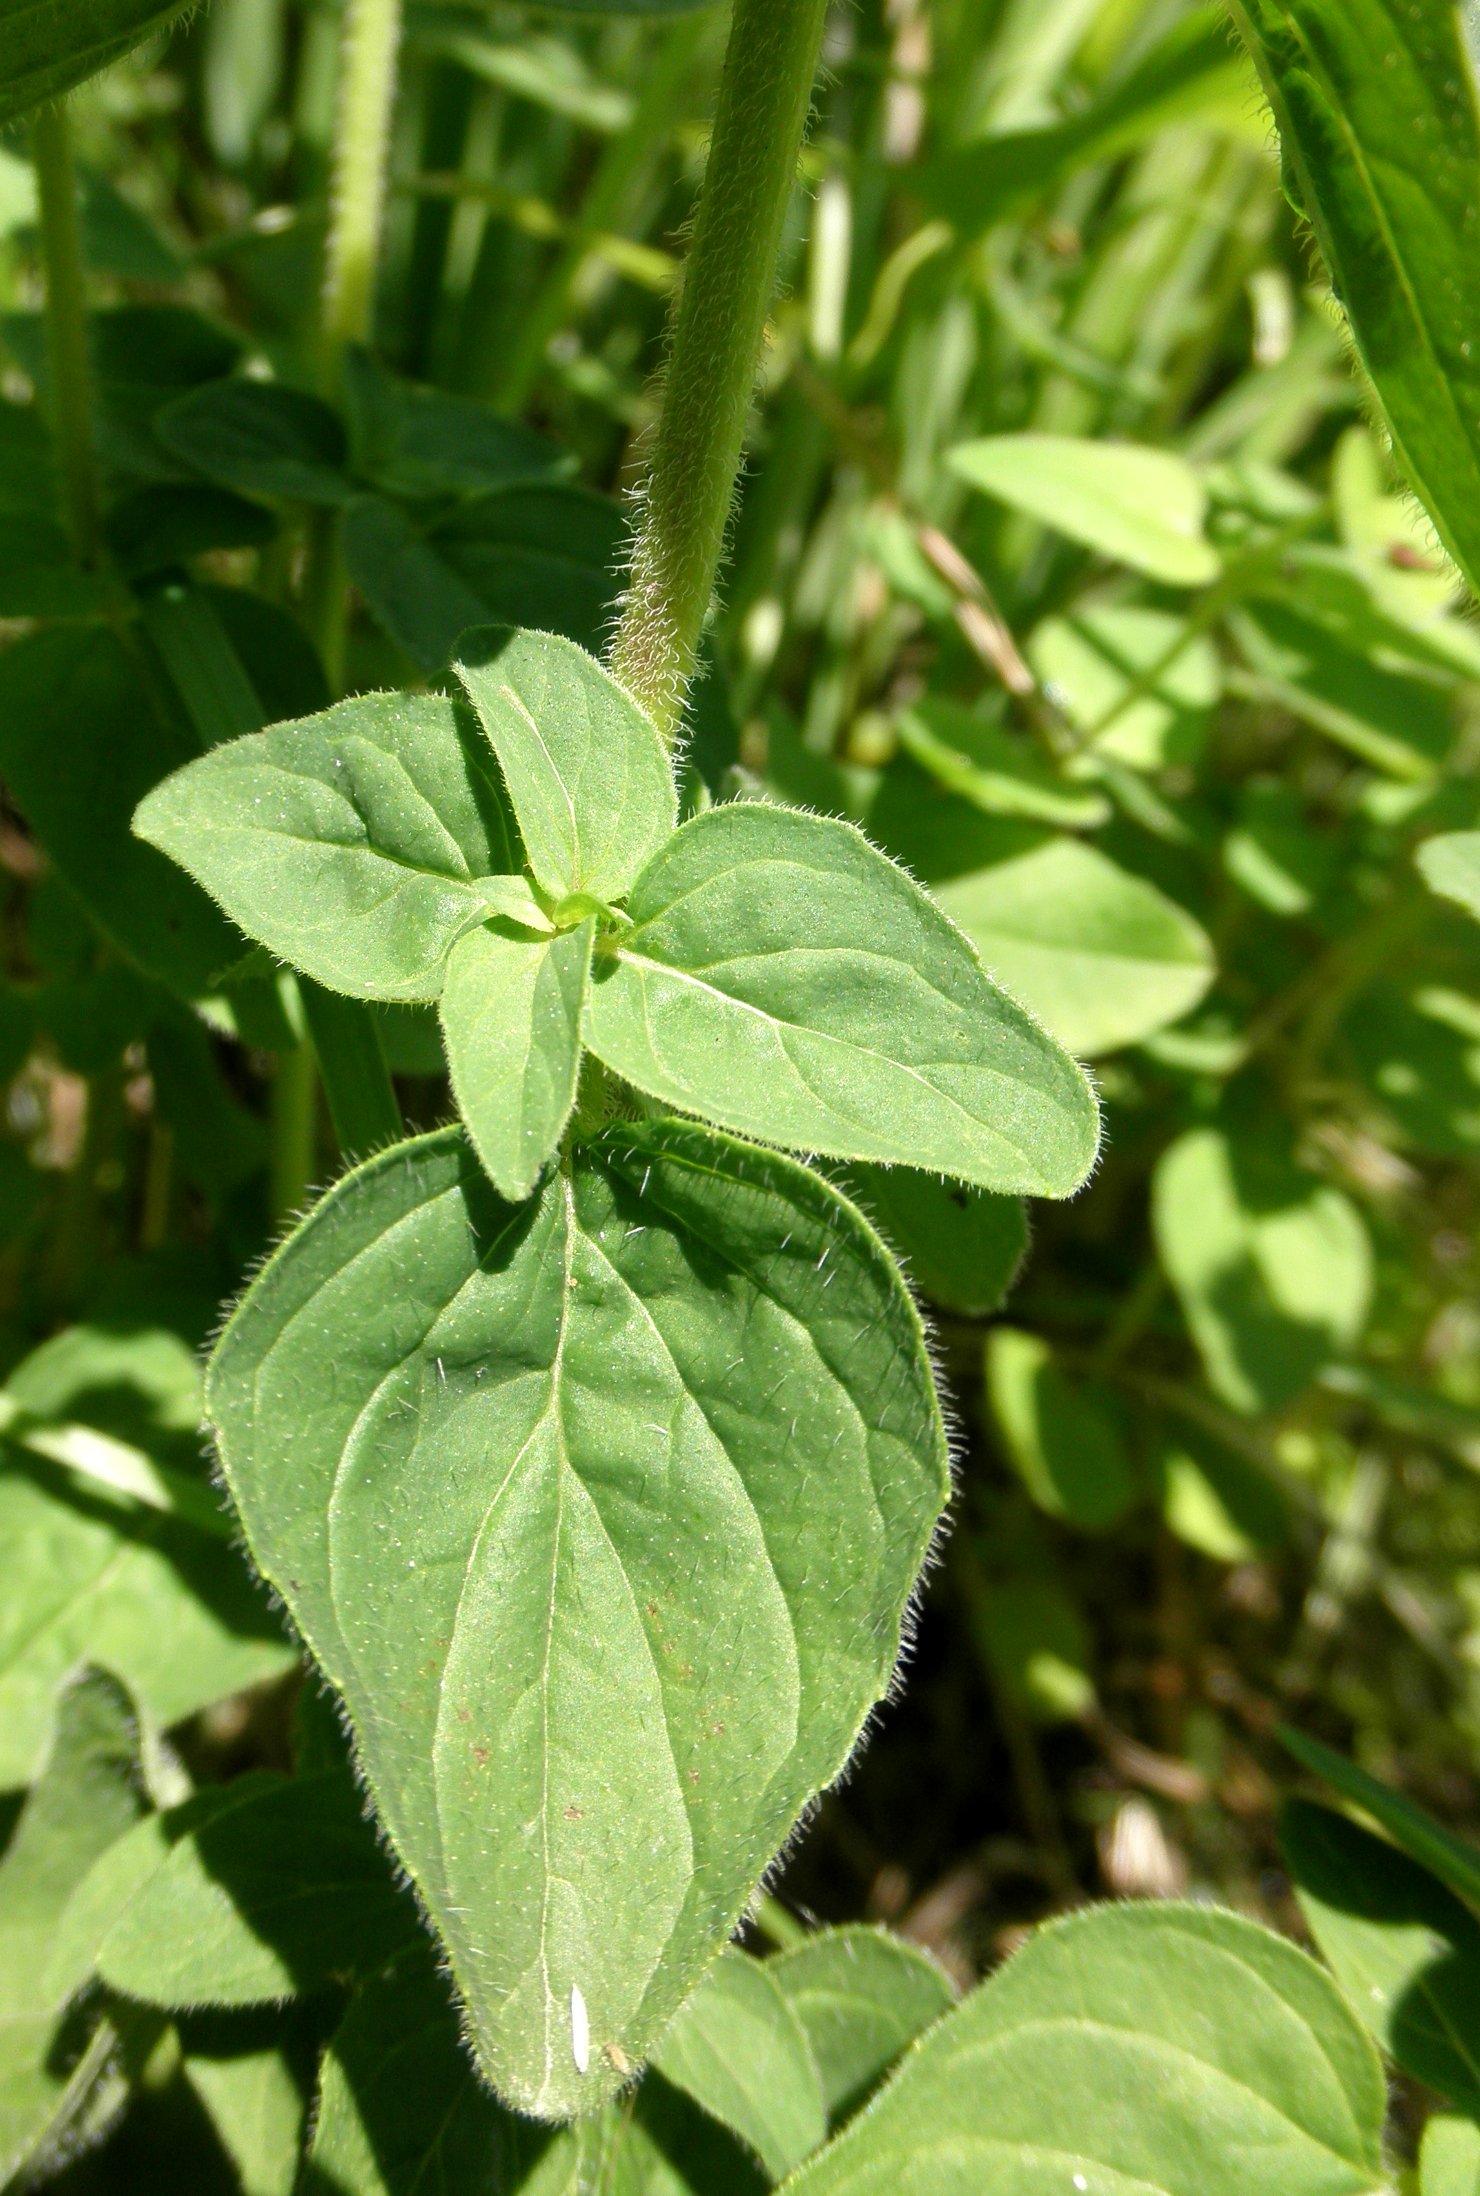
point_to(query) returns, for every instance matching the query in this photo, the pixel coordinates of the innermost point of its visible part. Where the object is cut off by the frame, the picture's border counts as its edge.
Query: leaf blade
(511, 1018)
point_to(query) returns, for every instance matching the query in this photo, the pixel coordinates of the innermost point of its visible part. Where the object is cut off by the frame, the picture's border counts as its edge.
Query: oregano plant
(684, 913)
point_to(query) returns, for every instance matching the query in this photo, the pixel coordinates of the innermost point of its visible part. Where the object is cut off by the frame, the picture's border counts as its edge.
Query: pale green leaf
(511, 1015)
(787, 981)
(351, 844)
(738, 2048)
(960, 1247)
(88, 1795)
(1140, 507)
(1165, 2050)
(1451, 867)
(587, 772)
(562, 1530)
(862, 1996)
(1137, 684)
(1426, 1841)
(993, 769)
(1380, 133)
(1062, 1435)
(257, 2110)
(1404, 1949)
(279, 1888)
(1449, 2162)
(47, 47)
(1273, 1268)
(1101, 957)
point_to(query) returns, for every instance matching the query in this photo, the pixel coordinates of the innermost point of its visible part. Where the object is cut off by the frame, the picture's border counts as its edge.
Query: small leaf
(1100, 956)
(1451, 867)
(1037, 1647)
(1176, 2051)
(994, 770)
(1218, 1502)
(351, 844)
(1138, 684)
(48, 48)
(1375, 104)
(416, 441)
(1062, 1436)
(260, 437)
(1402, 1947)
(960, 1247)
(1449, 2162)
(587, 772)
(1273, 1268)
(1140, 507)
(257, 2110)
(511, 1013)
(862, 1996)
(739, 2049)
(789, 982)
(1424, 1840)
(281, 1887)
(562, 1532)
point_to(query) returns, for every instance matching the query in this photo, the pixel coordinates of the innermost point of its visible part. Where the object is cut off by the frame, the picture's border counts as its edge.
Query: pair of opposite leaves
(599, 1491)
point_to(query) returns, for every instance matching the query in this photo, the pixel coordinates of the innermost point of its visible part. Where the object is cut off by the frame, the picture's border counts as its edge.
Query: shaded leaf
(1424, 1840)
(260, 437)
(1063, 1436)
(862, 1996)
(1037, 1646)
(575, 1571)
(47, 47)
(416, 441)
(739, 2048)
(961, 1247)
(787, 981)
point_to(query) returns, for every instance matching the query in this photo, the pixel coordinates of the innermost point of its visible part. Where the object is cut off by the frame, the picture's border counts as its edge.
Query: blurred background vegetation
(1162, 734)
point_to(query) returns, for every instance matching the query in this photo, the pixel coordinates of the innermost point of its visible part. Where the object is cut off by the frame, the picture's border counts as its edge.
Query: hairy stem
(729, 277)
(367, 88)
(66, 326)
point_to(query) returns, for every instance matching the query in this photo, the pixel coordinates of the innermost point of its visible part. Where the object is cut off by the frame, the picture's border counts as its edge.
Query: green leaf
(414, 441)
(155, 528)
(1399, 720)
(351, 844)
(1138, 684)
(39, 576)
(1063, 1436)
(93, 1574)
(587, 772)
(1186, 74)
(862, 1997)
(1173, 2051)
(1273, 1268)
(257, 2110)
(511, 1013)
(789, 982)
(997, 772)
(47, 48)
(562, 1532)
(1416, 1045)
(80, 693)
(1101, 957)
(1140, 507)
(961, 1247)
(1451, 867)
(1449, 2162)
(542, 558)
(1405, 1950)
(400, 2111)
(739, 2049)
(88, 1795)
(1378, 127)
(1037, 1647)
(261, 438)
(1424, 1840)
(1218, 1502)
(280, 1888)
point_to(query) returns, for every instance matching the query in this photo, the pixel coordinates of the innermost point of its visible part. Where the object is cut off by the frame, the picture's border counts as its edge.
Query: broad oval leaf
(1376, 106)
(562, 1531)
(738, 2048)
(262, 437)
(587, 771)
(862, 1996)
(1063, 1436)
(1100, 956)
(1169, 2050)
(45, 48)
(351, 844)
(511, 1015)
(787, 980)
(1138, 506)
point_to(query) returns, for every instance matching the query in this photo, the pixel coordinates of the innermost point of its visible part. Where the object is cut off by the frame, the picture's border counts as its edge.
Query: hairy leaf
(561, 1530)
(587, 772)
(1376, 107)
(961, 1247)
(1137, 506)
(47, 46)
(351, 844)
(511, 1012)
(787, 981)
(1176, 2051)
(862, 1996)
(739, 2049)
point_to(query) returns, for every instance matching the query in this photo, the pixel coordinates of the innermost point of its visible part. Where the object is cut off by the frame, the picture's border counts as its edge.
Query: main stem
(369, 50)
(66, 326)
(764, 97)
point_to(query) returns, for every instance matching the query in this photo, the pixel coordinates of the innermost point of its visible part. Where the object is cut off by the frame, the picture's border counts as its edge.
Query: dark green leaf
(862, 1997)
(692, 1373)
(961, 1247)
(46, 47)
(1426, 1841)
(262, 438)
(1063, 1436)
(739, 2049)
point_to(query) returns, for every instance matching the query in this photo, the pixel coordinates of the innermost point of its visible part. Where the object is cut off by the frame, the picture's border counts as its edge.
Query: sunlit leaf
(511, 1012)
(739, 2049)
(1137, 506)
